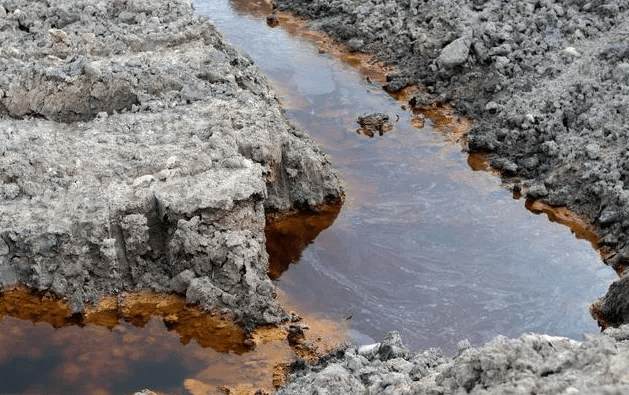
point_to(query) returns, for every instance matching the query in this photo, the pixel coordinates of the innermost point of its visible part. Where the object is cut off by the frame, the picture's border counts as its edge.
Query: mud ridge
(140, 151)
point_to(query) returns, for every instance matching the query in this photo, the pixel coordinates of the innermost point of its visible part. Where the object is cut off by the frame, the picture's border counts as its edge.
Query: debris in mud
(374, 123)
(272, 20)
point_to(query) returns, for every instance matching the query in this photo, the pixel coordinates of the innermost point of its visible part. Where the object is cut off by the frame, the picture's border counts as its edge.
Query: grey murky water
(423, 245)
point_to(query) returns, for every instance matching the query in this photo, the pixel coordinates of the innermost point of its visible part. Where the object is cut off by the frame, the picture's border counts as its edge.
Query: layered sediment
(139, 150)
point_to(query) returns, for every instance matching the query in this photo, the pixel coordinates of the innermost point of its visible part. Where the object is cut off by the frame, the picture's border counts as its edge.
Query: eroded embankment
(544, 81)
(138, 150)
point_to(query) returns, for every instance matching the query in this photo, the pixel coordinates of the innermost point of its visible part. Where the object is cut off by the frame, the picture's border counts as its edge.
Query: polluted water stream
(423, 244)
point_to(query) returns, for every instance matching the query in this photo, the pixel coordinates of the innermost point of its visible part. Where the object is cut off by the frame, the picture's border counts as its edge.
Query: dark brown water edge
(145, 340)
(404, 252)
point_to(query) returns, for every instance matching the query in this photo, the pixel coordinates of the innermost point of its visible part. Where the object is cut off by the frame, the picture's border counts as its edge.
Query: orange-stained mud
(288, 235)
(580, 226)
(445, 121)
(120, 333)
(372, 69)
(479, 162)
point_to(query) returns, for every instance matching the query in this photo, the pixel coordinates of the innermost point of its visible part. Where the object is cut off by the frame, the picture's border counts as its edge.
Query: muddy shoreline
(128, 190)
(549, 154)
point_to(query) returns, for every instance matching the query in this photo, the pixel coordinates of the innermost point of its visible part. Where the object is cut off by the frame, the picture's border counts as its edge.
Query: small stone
(368, 350)
(593, 150)
(59, 36)
(355, 44)
(455, 53)
(491, 106)
(608, 218)
(143, 181)
(572, 51)
(173, 162)
(92, 70)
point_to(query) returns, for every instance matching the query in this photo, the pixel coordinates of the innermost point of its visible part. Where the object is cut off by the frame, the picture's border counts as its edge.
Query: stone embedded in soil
(138, 150)
(455, 53)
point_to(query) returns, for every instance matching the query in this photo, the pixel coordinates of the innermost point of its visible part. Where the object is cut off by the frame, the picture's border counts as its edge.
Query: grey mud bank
(140, 151)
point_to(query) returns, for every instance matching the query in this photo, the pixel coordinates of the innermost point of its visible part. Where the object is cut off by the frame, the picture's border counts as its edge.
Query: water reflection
(288, 237)
(424, 244)
(138, 341)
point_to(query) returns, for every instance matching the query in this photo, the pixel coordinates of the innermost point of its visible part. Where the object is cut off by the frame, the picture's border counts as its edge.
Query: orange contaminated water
(143, 340)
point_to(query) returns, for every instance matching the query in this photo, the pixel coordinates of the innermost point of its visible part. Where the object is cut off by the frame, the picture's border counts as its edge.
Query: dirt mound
(138, 150)
(533, 363)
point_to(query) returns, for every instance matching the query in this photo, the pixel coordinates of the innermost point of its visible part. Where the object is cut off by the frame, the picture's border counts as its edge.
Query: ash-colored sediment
(138, 150)
(530, 364)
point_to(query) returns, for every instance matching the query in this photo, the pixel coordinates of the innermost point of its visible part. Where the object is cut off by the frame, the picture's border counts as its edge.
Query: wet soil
(424, 244)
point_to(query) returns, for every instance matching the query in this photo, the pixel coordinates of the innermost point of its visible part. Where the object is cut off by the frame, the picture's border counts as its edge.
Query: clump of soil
(374, 124)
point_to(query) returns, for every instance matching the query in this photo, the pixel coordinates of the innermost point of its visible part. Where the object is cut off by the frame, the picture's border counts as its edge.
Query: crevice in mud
(157, 222)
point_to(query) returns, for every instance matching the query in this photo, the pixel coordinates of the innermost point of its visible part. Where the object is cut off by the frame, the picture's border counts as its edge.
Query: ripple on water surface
(424, 244)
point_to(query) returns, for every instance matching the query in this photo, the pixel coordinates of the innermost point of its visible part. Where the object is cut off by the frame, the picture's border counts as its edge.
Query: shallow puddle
(424, 244)
(141, 341)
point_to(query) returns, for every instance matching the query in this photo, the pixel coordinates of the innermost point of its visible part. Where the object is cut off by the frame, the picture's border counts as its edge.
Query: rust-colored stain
(367, 64)
(288, 235)
(579, 225)
(446, 122)
(478, 161)
(35, 307)
(418, 121)
(228, 359)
